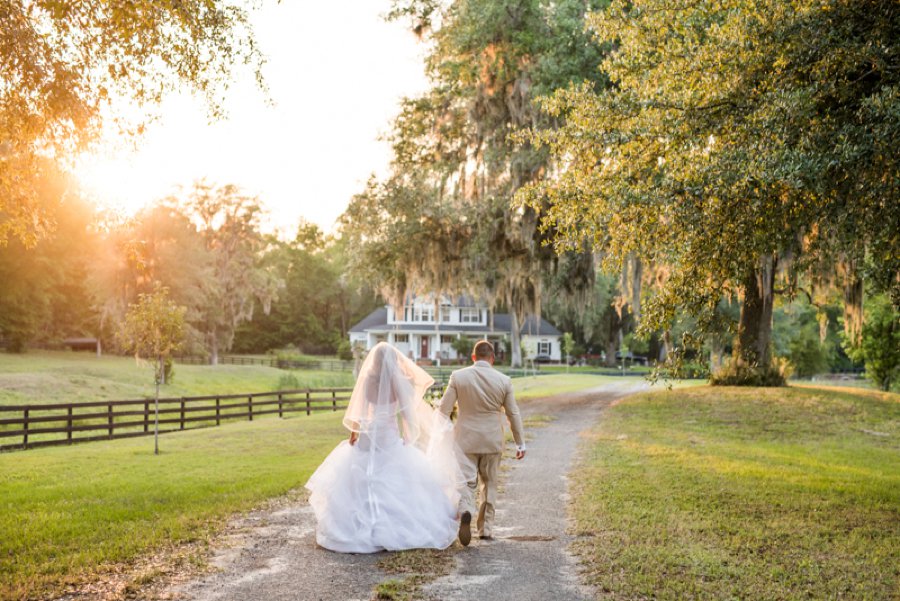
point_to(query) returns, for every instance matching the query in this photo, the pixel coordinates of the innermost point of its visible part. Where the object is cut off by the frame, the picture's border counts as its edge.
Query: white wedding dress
(397, 486)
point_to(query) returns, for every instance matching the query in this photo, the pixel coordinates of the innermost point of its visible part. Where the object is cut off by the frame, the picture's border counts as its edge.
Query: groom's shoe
(465, 528)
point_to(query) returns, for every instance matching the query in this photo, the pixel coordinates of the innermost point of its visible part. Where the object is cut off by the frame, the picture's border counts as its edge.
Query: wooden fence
(33, 426)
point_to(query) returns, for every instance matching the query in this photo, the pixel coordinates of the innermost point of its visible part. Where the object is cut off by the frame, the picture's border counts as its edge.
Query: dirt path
(273, 556)
(529, 558)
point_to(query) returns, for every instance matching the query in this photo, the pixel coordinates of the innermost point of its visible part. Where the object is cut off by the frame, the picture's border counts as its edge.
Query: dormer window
(422, 313)
(469, 315)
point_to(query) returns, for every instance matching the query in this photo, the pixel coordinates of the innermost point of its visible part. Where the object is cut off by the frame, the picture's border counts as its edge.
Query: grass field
(725, 493)
(64, 377)
(541, 386)
(69, 513)
(549, 385)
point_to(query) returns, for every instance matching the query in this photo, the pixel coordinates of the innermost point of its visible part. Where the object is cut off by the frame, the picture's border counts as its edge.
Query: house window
(543, 347)
(445, 314)
(447, 339)
(469, 315)
(423, 314)
(401, 337)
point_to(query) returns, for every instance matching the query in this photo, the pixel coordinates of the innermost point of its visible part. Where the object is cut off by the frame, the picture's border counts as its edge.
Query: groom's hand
(520, 454)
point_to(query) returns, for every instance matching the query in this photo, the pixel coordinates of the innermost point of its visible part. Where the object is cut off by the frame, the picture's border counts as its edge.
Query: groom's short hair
(483, 349)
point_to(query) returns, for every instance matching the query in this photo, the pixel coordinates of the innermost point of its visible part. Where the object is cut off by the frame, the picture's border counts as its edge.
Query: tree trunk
(665, 348)
(752, 348)
(213, 349)
(612, 339)
(515, 341)
(437, 329)
(156, 410)
(715, 356)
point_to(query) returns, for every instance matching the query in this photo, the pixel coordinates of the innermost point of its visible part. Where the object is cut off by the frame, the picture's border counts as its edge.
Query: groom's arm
(449, 398)
(515, 420)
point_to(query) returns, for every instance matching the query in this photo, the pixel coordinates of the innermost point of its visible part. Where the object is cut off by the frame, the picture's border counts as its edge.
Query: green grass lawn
(634, 370)
(68, 514)
(64, 377)
(542, 386)
(727, 493)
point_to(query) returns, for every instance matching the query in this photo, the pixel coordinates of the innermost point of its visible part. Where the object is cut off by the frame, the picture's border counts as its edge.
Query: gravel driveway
(274, 557)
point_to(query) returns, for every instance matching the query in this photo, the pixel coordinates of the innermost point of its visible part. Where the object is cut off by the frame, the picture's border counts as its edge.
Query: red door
(424, 353)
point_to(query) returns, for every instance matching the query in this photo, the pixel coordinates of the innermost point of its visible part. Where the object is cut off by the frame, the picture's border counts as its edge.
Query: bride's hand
(354, 436)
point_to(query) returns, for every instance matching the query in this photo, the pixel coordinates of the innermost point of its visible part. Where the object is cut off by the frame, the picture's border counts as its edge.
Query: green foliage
(808, 355)
(716, 493)
(798, 337)
(44, 295)
(66, 64)
(236, 277)
(154, 329)
(567, 345)
(737, 142)
(737, 373)
(168, 374)
(463, 346)
(442, 222)
(879, 346)
(288, 381)
(590, 314)
(318, 303)
(344, 350)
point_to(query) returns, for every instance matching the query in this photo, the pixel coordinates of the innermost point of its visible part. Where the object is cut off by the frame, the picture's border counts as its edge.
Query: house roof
(502, 321)
(376, 318)
(376, 322)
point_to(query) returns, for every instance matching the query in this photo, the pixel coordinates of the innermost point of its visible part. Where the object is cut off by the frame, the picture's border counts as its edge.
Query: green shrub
(735, 373)
(345, 351)
(879, 346)
(288, 382)
(808, 355)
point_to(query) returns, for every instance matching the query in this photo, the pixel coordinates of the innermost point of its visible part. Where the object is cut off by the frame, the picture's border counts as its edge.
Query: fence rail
(30, 426)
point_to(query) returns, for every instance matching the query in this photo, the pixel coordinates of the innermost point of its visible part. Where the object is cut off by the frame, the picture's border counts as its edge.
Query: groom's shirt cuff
(521, 447)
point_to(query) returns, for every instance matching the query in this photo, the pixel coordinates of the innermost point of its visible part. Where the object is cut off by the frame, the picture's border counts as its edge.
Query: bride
(394, 484)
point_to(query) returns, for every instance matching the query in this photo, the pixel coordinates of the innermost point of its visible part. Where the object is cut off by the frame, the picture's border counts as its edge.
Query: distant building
(418, 334)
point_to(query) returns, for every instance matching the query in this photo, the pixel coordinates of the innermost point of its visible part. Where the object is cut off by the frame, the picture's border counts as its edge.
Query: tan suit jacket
(482, 393)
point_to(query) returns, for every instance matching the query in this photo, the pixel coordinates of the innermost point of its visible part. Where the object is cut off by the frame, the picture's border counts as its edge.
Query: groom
(481, 392)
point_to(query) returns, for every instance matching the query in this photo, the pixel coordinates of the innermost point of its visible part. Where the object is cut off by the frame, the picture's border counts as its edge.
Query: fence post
(218, 401)
(333, 401)
(109, 419)
(146, 417)
(182, 413)
(307, 402)
(25, 429)
(69, 425)
(250, 406)
(280, 413)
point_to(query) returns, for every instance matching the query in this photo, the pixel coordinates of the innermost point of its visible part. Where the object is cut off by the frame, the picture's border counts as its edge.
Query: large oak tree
(443, 222)
(744, 144)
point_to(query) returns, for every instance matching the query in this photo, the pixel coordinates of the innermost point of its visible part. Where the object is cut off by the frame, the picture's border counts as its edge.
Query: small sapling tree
(154, 330)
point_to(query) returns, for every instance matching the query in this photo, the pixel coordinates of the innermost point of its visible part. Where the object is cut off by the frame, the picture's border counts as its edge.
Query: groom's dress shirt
(483, 394)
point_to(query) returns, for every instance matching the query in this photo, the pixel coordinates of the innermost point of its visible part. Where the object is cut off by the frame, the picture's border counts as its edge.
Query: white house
(419, 333)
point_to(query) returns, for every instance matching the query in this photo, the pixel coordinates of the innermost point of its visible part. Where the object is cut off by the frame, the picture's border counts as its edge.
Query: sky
(336, 73)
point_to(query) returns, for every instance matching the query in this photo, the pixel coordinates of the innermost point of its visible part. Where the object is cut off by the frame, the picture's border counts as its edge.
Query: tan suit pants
(481, 475)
